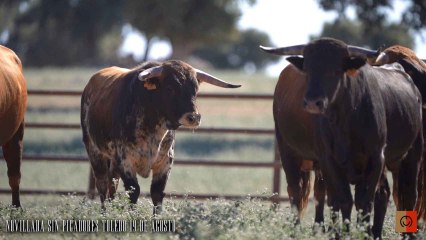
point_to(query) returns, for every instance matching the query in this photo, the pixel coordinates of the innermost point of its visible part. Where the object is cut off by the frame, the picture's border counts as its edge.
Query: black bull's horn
(292, 50)
(354, 51)
(201, 76)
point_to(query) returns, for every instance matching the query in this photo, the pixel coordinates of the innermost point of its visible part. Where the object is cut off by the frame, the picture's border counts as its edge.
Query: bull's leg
(408, 174)
(365, 191)
(338, 193)
(100, 171)
(319, 194)
(158, 185)
(381, 201)
(12, 152)
(345, 203)
(92, 185)
(395, 177)
(297, 180)
(131, 185)
(161, 171)
(113, 179)
(407, 179)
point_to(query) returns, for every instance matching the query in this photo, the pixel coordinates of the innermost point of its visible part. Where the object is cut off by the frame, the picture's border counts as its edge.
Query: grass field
(211, 219)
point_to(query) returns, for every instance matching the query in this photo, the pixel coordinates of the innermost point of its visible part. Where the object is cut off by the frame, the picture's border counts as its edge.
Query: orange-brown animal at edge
(13, 101)
(295, 134)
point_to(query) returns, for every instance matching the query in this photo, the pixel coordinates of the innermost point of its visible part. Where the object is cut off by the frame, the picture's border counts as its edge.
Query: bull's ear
(296, 61)
(352, 65)
(151, 84)
(149, 76)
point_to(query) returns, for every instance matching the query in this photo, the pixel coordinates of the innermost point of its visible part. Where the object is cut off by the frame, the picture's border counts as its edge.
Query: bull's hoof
(16, 205)
(318, 228)
(91, 194)
(157, 210)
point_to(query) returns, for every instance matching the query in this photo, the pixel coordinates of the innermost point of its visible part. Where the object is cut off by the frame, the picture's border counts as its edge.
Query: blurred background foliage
(90, 32)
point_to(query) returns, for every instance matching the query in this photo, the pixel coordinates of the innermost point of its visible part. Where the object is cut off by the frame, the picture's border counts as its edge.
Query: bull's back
(13, 94)
(97, 103)
(294, 124)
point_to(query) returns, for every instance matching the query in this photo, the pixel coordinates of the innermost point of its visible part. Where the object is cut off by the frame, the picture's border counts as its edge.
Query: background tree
(242, 52)
(89, 32)
(9, 9)
(354, 32)
(373, 13)
(187, 24)
(67, 32)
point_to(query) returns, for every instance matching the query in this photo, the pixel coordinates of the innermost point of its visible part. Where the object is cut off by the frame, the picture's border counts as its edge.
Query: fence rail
(275, 164)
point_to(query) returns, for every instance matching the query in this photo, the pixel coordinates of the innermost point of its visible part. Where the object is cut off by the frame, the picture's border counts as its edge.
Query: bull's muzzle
(190, 120)
(316, 106)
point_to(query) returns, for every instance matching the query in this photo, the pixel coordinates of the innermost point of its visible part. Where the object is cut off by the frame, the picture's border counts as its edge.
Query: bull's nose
(193, 118)
(315, 106)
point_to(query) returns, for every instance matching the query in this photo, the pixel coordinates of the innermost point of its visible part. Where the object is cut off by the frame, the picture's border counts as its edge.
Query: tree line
(89, 32)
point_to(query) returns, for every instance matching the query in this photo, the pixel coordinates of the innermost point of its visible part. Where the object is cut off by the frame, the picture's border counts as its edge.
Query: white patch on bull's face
(190, 120)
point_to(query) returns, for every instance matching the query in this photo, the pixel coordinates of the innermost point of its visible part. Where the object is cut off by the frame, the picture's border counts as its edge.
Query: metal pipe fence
(275, 163)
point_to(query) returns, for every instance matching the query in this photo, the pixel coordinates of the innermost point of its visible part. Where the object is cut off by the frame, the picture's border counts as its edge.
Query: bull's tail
(421, 190)
(305, 190)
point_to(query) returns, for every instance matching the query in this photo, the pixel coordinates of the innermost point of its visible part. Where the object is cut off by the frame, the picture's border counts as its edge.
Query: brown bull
(295, 133)
(129, 118)
(416, 68)
(13, 102)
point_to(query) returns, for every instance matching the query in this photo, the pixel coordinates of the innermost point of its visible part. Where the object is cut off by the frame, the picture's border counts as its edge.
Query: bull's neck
(137, 108)
(147, 108)
(345, 101)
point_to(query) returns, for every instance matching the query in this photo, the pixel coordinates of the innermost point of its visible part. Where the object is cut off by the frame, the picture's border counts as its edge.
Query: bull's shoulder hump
(110, 71)
(103, 82)
(107, 76)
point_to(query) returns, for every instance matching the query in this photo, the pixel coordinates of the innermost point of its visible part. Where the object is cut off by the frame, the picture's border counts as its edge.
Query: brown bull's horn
(150, 73)
(382, 59)
(361, 52)
(205, 77)
(291, 50)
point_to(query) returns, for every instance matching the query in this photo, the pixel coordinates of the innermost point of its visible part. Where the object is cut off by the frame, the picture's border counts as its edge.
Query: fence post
(276, 182)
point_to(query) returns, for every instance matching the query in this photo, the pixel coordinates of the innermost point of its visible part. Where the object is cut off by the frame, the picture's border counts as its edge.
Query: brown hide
(397, 52)
(13, 94)
(293, 122)
(295, 134)
(102, 90)
(129, 118)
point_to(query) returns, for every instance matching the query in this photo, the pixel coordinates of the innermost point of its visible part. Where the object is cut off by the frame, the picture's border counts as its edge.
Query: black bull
(370, 118)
